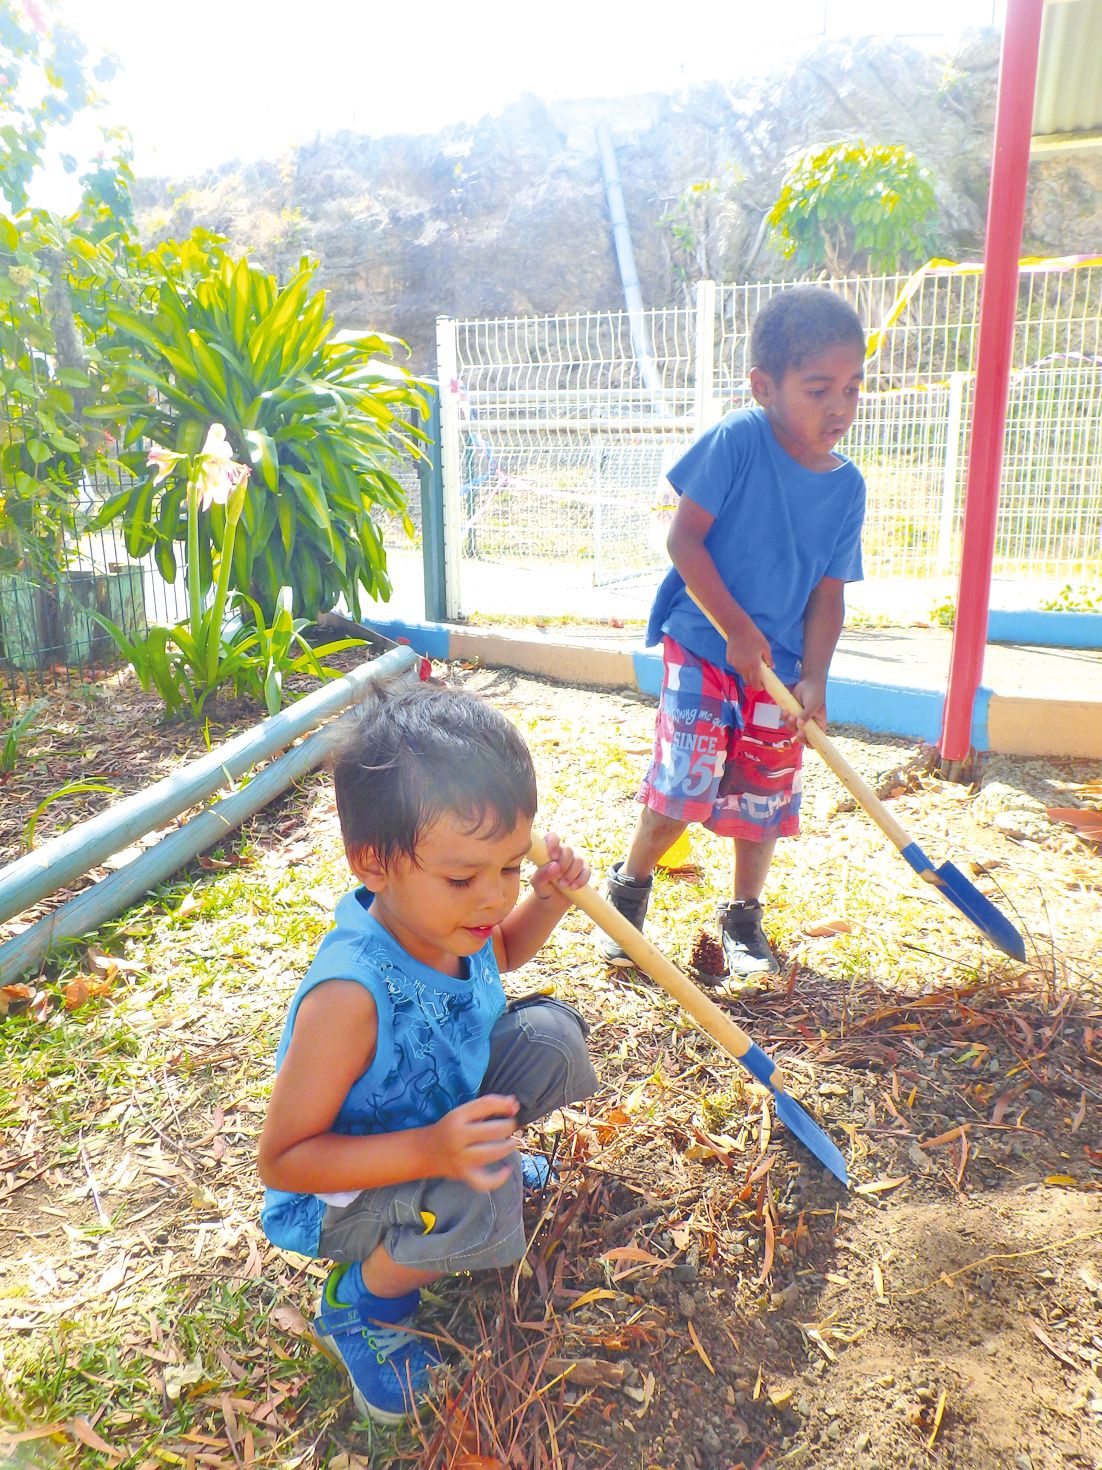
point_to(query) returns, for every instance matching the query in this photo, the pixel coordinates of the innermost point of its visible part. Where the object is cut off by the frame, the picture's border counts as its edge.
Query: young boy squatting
(402, 1074)
(766, 532)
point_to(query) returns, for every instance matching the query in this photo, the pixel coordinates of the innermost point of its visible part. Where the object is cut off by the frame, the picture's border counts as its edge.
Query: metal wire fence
(48, 631)
(557, 484)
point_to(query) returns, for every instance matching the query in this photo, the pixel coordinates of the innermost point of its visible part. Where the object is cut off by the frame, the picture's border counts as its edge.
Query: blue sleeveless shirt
(431, 1054)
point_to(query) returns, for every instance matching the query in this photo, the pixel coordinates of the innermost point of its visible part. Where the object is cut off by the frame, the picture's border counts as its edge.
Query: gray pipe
(93, 907)
(59, 861)
(625, 256)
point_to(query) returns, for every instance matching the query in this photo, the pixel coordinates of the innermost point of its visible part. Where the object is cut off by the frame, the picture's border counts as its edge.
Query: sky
(211, 81)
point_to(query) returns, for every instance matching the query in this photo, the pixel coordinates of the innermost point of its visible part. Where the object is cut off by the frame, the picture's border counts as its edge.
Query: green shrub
(322, 423)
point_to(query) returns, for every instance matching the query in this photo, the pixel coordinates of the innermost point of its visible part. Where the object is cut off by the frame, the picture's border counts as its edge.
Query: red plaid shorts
(723, 755)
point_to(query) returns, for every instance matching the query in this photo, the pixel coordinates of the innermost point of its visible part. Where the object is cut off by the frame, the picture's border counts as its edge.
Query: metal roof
(1068, 100)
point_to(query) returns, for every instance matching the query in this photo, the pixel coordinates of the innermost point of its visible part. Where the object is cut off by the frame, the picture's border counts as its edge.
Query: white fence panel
(560, 450)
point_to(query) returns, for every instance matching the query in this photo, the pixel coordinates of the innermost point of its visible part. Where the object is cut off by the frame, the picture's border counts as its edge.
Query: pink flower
(163, 461)
(217, 473)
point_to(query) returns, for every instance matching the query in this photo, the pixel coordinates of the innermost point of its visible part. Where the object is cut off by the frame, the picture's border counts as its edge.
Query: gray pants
(538, 1056)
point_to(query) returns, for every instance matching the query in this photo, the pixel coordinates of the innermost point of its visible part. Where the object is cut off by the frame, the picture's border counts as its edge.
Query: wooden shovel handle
(855, 784)
(704, 1012)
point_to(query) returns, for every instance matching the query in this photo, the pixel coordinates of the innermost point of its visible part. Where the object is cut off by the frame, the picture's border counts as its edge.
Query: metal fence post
(447, 370)
(432, 511)
(953, 428)
(704, 388)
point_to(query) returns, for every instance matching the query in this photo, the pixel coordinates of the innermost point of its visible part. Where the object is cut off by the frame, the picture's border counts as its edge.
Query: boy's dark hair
(407, 756)
(799, 323)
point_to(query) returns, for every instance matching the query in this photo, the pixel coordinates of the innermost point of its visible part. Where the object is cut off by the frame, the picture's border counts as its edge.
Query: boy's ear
(761, 386)
(367, 867)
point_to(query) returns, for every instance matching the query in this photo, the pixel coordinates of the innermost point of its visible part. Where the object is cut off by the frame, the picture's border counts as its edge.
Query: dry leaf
(598, 1294)
(1087, 823)
(291, 1320)
(76, 994)
(14, 995)
(20, 1436)
(704, 1358)
(878, 1281)
(939, 1412)
(87, 1435)
(587, 1372)
(880, 1186)
(822, 928)
(958, 1132)
(770, 1245)
(1042, 1336)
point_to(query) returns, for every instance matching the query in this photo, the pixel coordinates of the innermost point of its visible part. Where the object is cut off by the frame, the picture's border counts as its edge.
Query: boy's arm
(526, 929)
(333, 1043)
(826, 612)
(747, 646)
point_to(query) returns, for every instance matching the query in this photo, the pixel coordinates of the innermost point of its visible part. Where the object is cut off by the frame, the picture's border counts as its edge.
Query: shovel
(706, 1014)
(947, 879)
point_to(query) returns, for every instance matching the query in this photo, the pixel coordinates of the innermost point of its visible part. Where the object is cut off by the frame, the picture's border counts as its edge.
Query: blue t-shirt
(431, 1054)
(779, 529)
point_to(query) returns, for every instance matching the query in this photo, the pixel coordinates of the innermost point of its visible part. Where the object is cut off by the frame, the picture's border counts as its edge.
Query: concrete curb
(1009, 724)
(1045, 629)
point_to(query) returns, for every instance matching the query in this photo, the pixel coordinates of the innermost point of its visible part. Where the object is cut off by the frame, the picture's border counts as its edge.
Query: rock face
(508, 216)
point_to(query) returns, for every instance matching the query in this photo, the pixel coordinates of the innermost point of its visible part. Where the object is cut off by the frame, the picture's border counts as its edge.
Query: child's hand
(565, 867)
(812, 696)
(747, 649)
(473, 1137)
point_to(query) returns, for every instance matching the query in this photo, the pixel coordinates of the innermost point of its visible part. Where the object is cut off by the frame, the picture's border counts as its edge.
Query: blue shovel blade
(966, 896)
(760, 1065)
(800, 1123)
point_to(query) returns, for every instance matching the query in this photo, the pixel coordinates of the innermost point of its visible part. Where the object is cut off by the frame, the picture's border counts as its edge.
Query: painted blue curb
(1045, 629)
(431, 639)
(980, 709)
(887, 709)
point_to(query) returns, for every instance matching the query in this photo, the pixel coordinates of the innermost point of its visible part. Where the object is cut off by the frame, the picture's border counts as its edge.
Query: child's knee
(539, 1055)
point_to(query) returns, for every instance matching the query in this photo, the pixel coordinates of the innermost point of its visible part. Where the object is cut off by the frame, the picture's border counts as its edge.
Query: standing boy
(766, 533)
(402, 1075)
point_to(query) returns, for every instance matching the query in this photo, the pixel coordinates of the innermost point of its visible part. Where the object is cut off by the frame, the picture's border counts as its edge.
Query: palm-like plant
(324, 425)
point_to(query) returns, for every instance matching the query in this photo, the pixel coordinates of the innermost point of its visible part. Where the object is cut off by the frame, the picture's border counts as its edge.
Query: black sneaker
(627, 897)
(744, 943)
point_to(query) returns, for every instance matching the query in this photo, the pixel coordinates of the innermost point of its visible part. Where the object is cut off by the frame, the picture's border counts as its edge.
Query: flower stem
(194, 596)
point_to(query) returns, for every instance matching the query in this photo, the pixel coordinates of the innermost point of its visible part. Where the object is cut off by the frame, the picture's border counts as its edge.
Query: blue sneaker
(536, 1173)
(388, 1366)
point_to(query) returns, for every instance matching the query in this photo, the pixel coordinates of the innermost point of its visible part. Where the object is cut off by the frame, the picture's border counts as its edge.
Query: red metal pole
(998, 308)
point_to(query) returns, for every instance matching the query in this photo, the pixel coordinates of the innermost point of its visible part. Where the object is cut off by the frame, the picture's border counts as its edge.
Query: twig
(1040, 1250)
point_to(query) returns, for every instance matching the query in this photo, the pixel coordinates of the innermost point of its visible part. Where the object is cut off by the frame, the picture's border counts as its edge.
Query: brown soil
(698, 1292)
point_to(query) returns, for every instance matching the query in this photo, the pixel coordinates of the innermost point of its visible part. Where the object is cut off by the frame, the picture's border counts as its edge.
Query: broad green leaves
(323, 425)
(852, 206)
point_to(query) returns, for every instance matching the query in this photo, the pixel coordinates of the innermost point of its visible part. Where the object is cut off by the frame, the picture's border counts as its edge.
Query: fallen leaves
(824, 928)
(939, 1414)
(881, 1186)
(1086, 821)
(1043, 1338)
(699, 1346)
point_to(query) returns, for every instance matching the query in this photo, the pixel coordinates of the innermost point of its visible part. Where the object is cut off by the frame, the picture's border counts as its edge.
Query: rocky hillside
(508, 216)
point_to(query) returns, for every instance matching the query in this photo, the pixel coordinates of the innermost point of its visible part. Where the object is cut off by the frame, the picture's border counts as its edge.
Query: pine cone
(707, 957)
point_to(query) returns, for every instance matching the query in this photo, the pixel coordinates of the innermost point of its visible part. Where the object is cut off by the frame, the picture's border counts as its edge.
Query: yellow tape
(937, 267)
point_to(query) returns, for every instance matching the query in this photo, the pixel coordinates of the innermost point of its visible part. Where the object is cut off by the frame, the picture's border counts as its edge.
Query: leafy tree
(854, 207)
(701, 222)
(47, 359)
(45, 79)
